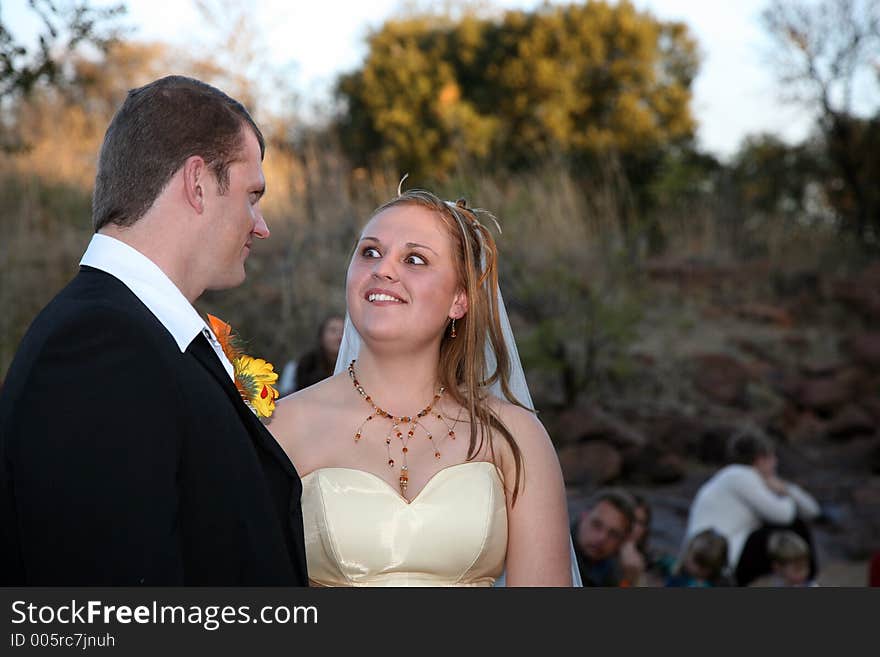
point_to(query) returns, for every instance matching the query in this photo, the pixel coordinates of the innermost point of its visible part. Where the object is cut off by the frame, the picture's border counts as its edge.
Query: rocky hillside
(797, 353)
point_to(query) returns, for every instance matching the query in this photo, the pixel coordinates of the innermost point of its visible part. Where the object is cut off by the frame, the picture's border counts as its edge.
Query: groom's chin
(230, 280)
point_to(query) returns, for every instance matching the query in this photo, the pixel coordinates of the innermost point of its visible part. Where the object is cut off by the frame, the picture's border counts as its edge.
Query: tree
(774, 178)
(56, 131)
(65, 28)
(578, 82)
(826, 51)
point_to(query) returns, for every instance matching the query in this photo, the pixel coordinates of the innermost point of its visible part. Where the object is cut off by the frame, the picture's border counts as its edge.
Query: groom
(127, 456)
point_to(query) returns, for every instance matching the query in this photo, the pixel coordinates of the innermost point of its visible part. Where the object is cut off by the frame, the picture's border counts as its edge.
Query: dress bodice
(360, 532)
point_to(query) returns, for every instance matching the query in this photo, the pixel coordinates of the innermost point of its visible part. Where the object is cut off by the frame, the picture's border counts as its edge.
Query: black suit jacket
(126, 462)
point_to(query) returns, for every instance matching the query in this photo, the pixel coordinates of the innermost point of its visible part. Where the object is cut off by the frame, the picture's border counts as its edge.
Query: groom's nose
(261, 228)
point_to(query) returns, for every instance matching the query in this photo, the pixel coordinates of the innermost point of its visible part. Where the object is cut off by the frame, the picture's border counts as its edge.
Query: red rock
(679, 434)
(754, 348)
(807, 428)
(668, 469)
(787, 384)
(722, 378)
(591, 423)
(594, 462)
(872, 406)
(765, 314)
(850, 421)
(825, 394)
(796, 341)
(818, 367)
(759, 370)
(645, 359)
(861, 293)
(865, 349)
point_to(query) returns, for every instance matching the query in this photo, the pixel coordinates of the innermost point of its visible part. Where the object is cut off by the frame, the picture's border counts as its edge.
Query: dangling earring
(452, 334)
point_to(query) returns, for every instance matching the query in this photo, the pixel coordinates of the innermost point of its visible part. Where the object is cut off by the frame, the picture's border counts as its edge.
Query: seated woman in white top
(746, 501)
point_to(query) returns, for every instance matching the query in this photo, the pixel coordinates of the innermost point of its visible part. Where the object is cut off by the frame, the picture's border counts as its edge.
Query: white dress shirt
(155, 290)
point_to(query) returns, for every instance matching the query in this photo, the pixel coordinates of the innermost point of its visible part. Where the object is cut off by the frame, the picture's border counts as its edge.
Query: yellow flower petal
(257, 368)
(257, 377)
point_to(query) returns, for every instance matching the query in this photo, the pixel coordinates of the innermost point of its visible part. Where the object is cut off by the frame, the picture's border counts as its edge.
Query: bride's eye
(370, 252)
(415, 259)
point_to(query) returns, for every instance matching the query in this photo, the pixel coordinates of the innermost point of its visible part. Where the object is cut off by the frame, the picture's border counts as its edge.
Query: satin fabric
(359, 531)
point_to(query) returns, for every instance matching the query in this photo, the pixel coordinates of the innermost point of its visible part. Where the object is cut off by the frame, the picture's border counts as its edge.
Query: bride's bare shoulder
(523, 423)
(296, 414)
(529, 434)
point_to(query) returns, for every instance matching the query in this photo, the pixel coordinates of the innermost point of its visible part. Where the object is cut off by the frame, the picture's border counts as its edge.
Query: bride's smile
(404, 261)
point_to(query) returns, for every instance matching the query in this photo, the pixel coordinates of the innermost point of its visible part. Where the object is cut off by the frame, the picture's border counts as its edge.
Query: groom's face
(236, 218)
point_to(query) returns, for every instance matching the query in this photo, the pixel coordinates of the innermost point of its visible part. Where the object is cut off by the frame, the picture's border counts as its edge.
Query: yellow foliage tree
(576, 80)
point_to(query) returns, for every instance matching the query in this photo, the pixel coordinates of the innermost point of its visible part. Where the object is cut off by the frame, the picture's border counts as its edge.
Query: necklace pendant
(404, 480)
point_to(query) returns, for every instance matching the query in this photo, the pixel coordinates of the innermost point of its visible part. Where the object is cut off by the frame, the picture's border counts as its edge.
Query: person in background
(704, 563)
(599, 535)
(746, 501)
(316, 364)
(642, 564)
(633, 558)
(790, 556)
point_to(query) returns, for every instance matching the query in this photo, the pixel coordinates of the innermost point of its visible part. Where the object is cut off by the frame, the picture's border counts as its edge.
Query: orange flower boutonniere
(253, 376)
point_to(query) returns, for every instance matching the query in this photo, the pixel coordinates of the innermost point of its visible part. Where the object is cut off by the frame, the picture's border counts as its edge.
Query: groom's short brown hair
(153, 133)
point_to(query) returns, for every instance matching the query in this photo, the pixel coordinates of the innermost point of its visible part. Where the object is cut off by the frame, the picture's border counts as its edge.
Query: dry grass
(572, 266)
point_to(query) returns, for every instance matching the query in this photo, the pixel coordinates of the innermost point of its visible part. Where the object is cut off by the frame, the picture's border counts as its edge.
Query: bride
(415, 473)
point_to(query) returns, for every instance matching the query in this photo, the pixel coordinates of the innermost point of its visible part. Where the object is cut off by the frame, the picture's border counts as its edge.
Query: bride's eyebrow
(409, 245)
(416, 245)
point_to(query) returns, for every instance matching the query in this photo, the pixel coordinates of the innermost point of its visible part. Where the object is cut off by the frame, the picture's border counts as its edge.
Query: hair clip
(400, 184)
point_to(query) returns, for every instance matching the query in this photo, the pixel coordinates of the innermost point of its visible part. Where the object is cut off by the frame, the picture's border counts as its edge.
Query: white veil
(351, 343)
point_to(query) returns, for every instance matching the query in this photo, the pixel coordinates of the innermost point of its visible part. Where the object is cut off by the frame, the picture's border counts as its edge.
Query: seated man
(599, 534)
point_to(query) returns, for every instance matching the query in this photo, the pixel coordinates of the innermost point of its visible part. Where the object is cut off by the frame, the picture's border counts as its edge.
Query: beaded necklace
(396, 423)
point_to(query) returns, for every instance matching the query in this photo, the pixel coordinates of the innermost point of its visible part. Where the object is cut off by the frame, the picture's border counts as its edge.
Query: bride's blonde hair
(463, 367)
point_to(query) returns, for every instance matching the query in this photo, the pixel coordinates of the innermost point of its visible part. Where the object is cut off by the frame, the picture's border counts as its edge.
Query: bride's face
(402, 283)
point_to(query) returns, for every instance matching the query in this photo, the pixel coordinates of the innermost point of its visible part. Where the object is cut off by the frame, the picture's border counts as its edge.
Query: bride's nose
(384, 268)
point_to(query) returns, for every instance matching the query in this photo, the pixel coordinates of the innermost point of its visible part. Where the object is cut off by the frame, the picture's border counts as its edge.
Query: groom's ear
(459, 305)
(194, 173)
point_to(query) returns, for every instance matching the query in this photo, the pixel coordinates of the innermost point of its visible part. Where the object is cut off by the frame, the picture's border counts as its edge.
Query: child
(790, 556)
(704, 563)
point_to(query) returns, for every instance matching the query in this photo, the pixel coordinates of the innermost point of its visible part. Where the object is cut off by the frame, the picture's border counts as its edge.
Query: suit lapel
(204, 353)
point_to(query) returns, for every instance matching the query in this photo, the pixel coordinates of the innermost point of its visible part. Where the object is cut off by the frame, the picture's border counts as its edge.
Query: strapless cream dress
(360, 532)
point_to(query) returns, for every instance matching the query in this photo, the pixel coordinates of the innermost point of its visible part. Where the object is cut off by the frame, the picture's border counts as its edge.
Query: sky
(734, 94)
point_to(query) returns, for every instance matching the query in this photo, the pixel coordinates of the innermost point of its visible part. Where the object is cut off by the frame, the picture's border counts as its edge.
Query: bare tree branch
(65, 27)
